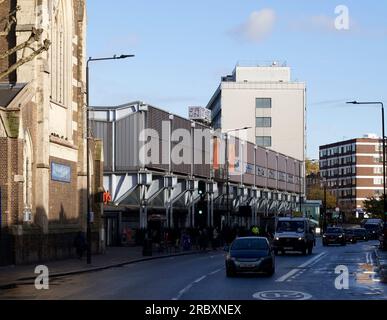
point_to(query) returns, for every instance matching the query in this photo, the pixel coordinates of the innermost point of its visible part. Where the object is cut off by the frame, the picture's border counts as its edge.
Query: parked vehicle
(374, 230)
(250, 255)
(334, 236)
(361, 234)
(350, 236)
(294, 234)
(383, 238)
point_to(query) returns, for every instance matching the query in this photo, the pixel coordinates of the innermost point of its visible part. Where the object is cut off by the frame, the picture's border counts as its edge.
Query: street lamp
(384, 152)
(88, 228)
(227, 170)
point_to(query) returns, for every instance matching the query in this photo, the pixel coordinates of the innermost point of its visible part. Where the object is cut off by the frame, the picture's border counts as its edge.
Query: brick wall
(63, 197)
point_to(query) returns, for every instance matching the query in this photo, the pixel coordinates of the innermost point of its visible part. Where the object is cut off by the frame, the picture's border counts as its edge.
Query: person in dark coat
(80, 244)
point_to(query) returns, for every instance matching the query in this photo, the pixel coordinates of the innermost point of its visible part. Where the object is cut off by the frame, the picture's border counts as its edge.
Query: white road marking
(215, 272)
(304, 265)
(200, 279)
(187, 288)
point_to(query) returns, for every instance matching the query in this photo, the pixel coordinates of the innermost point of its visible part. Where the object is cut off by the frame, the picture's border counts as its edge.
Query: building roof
(8, 92)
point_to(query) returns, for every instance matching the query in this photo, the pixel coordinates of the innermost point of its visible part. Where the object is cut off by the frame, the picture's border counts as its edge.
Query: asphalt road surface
(202, 277)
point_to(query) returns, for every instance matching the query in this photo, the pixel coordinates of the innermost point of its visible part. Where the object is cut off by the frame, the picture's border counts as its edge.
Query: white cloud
(257, 27)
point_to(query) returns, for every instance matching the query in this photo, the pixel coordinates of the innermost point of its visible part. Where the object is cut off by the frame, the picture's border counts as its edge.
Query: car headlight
(277, 239)
(340, 236)
(324, 236)
(300, 239)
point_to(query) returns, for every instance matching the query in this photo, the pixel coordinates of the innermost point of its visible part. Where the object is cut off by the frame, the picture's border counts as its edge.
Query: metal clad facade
(155, 120)
(103, 130)
(185, 145)
(127, 145)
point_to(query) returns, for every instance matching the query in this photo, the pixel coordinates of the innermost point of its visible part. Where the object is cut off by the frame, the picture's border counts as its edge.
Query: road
(202, 277)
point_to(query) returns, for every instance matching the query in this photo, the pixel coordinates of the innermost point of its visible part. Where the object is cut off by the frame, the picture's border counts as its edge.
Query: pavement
(11, 276)
(202, 277)
(381, 257)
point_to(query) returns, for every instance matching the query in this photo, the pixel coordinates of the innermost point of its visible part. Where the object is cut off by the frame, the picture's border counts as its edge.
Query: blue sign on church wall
(60, 172)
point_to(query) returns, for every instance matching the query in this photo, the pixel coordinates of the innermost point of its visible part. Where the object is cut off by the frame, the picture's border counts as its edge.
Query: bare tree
(34, 43)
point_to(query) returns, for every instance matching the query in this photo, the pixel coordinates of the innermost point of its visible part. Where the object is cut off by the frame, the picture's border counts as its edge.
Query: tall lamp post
(227, 171)
(88, 228)
(384, 152)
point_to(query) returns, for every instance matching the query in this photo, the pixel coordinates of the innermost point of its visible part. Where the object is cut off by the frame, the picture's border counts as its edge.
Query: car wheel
(271, 272)
(230, 273)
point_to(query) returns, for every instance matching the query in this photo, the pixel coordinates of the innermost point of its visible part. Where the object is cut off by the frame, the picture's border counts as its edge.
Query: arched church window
(58, 54)
(27, 171)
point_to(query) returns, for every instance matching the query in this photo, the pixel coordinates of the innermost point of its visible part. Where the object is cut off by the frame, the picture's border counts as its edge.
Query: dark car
(374, 230)
(350, 235)
(334, 236)
(250, 255)
(361, 234)
(383, 238)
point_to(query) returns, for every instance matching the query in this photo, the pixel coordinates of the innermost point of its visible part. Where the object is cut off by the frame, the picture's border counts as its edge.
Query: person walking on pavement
(80, 244)
(215, 237)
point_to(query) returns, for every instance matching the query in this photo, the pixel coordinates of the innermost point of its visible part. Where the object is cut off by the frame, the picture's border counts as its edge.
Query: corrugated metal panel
(103, 130)
(203, 147)
(127, 142)
(261, 157)
(155, 119)
(261, 182)
(186, 146)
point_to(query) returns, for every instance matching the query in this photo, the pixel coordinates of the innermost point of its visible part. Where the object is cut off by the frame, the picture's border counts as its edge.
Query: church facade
(43, 132)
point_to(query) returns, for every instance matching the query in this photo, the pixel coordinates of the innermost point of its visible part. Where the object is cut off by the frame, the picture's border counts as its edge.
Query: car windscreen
(290, 226)
(249, 244)
(334, 230)
(371, 226)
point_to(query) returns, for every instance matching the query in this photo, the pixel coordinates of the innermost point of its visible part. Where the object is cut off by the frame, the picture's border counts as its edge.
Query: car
(383, 238)
(361, 234)
(374, 230)
(350, 236)
(294, 234)
(250, 255)
(334, 235)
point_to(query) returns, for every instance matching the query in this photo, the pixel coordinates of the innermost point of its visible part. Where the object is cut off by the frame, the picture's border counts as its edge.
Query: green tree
(374, 206)
(312, 167)
(317, 193)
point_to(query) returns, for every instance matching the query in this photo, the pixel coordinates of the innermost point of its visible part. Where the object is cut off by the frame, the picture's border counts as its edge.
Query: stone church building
(43, 133)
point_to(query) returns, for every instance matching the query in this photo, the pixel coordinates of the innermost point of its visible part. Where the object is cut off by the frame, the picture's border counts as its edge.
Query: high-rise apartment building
(353, 170)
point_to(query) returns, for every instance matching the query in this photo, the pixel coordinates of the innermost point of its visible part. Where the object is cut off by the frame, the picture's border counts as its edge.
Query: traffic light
(201, 207)
(202, 189)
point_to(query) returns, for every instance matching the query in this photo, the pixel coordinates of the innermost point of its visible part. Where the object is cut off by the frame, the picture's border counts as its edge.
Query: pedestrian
(80, 244)
(215, 237)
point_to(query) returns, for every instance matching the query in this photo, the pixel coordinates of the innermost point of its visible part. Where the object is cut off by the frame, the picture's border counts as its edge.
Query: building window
(378, 181)
(58, 49)
(263, 122)
(378, 170)
(27, 171)
(264, 141)
(263, 103)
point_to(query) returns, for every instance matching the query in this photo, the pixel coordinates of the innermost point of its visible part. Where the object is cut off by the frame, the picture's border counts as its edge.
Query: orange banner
(231, 158)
